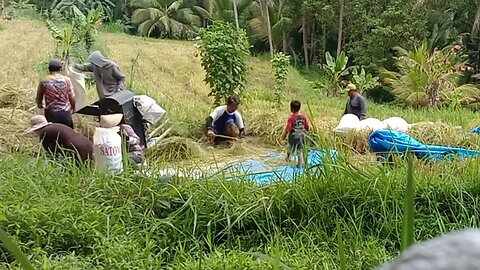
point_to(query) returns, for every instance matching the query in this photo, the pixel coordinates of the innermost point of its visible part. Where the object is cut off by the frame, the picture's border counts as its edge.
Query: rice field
(63, 217)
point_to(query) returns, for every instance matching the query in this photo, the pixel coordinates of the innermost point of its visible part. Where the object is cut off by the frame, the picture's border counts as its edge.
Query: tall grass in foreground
(66, 218)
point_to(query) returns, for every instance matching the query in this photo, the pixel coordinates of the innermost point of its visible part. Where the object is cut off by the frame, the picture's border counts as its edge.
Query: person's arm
(84, 67)
(239, 123)
(209, 123)
(133, 138)
(363, 108)
(39, 98)
(213, 117)
(287, 129)
(307, 124)
(118, 74)
(71, 94)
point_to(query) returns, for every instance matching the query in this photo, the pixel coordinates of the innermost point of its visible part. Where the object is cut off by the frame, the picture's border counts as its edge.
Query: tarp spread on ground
(388, 141)
(267, 170)
(263, 169)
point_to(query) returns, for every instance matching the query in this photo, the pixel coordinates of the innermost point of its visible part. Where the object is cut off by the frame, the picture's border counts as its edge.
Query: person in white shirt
(225, 120)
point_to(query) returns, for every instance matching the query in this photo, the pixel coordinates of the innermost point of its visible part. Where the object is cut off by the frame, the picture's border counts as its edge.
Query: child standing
(297, 126)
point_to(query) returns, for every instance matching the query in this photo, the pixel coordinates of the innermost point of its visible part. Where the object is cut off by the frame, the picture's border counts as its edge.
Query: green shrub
(224, 54)
(280, 63)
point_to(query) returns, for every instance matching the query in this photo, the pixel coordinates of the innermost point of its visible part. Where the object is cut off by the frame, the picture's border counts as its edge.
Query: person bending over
(226, 121)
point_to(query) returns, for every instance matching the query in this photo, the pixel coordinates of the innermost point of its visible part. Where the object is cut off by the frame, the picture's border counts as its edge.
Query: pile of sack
(350, 122)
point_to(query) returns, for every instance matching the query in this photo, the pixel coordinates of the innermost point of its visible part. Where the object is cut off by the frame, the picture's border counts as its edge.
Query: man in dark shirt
(356, 104)
(61, 140)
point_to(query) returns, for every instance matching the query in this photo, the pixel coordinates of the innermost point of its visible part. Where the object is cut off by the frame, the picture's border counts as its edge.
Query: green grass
(68, 218)
(350, 217)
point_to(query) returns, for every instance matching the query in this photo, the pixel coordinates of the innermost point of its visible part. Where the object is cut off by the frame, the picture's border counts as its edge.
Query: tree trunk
(269, 27)
(305, 39)
(235, 13)
(313, 44)
(340, 28)
(284, 42)
(433, 94)
(324, 41)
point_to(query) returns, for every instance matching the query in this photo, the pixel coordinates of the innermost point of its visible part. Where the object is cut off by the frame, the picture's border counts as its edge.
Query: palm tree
(426, 78)
(166, 18)
(280, 25)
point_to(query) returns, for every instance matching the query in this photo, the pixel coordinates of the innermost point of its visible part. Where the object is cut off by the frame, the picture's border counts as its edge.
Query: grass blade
(341, 248)
(407, 234)
(15, 250)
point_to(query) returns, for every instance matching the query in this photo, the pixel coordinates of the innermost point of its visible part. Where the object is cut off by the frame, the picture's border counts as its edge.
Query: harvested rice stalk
(358, 140)
(11, 96)
(174, 149)
(237, 149)
(438, 134)
(267, 125)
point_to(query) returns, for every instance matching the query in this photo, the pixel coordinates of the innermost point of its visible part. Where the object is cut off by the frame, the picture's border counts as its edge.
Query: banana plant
(336, 70)
(65, 39)
(362, 80)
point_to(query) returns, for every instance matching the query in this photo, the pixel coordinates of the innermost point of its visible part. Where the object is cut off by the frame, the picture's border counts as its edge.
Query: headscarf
(98, 59)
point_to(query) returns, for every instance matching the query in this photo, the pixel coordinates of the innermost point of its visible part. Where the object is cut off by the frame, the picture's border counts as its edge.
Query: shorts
(295, 143)
(60, 117)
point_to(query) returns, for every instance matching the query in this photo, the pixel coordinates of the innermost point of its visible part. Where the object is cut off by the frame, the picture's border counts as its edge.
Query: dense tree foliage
(366, 31)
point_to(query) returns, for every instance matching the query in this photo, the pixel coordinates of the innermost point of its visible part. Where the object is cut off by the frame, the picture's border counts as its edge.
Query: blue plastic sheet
(262, 172)
(475, 130)
(389, 141)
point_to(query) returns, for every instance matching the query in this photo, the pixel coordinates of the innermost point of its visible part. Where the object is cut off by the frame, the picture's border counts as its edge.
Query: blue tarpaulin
(475, 130)
(390, 141)
(262, 172)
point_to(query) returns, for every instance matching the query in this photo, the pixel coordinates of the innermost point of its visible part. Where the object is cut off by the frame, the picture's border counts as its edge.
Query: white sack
(148, 108)
(371, 124)
(78, 82)
(396, 123)
(347, 123)
(107, 149)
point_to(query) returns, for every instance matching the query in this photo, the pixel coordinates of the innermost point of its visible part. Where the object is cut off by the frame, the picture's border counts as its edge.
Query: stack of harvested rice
(174, 149)
(438, 134)
(14, 97)
(266, 124)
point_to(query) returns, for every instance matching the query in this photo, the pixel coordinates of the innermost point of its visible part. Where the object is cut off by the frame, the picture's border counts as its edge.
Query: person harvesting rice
(225, 120)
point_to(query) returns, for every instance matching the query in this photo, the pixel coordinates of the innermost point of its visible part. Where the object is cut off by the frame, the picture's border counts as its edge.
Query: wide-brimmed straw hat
(110, 120)
(37, 122)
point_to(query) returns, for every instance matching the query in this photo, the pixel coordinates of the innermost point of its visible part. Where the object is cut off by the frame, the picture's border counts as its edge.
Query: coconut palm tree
(167, 18)
(279, 22)
(426, 78)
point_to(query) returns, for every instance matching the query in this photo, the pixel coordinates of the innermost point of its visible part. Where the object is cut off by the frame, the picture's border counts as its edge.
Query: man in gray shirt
(356, 104)
(109, 79)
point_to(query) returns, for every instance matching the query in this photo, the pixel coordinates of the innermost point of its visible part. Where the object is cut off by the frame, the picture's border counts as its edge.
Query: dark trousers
(60, 117)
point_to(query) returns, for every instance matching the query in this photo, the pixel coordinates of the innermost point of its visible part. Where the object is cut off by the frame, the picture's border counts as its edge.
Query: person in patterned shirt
(56, 96)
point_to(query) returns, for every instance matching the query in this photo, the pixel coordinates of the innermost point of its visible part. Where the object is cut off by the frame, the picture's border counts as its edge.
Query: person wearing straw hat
(109, 79)
(136, 153)
(61, 140)
(56, 91)
(356, 103)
